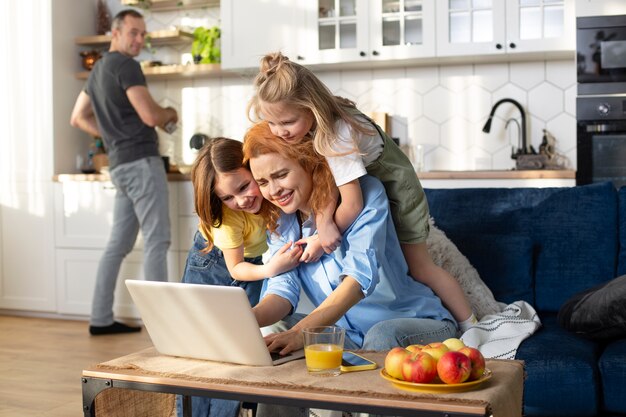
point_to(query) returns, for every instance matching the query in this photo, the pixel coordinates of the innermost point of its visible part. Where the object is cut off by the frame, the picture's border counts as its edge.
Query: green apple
(454, 344)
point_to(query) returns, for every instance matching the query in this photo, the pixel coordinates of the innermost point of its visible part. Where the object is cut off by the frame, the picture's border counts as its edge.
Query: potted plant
(205, 48)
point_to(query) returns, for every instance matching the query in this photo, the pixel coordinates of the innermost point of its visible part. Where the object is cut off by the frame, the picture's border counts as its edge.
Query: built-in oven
(601, 139)
(601, 54)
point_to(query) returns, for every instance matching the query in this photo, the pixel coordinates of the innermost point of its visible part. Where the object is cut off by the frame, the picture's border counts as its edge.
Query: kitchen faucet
(524, 149)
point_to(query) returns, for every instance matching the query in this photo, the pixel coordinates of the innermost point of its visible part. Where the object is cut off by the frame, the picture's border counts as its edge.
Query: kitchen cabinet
(362, 30)
(254, 28)
(476, 27)
(326, 31)
(83, 219)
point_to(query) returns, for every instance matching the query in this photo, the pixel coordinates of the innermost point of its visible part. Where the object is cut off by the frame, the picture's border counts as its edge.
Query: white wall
(70, 18)
(26, 273)
(600, 7)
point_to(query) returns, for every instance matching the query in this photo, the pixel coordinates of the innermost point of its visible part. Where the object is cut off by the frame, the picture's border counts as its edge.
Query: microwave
(601, 54)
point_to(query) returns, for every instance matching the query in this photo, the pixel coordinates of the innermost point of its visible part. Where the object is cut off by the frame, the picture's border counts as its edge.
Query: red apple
(435, 349)
(394, 361)
(420, 368)
(454, 367)
(478, 362)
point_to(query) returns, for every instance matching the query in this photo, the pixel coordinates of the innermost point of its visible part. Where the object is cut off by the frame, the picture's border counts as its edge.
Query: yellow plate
(436, 387)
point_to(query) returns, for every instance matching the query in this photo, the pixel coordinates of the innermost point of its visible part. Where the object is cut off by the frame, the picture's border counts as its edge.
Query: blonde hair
(218, 156)
(281, 80)
(259, 140)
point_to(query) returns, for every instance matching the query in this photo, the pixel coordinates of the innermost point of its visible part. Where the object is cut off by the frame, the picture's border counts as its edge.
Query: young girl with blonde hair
(298, 106)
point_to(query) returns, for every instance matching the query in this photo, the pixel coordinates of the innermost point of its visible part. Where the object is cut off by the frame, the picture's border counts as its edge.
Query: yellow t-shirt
(241, 228)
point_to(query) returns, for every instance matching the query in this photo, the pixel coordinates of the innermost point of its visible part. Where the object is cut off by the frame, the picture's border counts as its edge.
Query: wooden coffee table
(289, 384)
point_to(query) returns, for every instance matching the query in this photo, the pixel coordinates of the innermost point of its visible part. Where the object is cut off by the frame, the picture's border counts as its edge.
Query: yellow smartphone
(351, 362)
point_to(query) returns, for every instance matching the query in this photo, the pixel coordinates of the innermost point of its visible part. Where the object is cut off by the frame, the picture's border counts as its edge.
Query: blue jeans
(382, 336)
(141, 202)
(210, 269)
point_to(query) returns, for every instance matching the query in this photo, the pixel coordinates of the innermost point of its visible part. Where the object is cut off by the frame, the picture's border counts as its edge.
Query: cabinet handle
(362, 53)
(512, 45)
(498, 46)
(300, 58)
(375, 53)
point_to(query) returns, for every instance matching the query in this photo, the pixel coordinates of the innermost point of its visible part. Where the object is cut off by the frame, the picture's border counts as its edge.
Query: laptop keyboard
(276, 355)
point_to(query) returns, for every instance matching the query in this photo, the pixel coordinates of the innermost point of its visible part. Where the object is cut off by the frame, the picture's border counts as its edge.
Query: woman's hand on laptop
(284, 342)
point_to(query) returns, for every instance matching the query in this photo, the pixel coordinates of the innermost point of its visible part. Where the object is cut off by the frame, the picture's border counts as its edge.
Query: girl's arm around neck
(284, 260)
(350, 206)
(335, 219)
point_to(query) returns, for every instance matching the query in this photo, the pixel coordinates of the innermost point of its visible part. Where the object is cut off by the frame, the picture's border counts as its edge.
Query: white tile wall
(442, 108)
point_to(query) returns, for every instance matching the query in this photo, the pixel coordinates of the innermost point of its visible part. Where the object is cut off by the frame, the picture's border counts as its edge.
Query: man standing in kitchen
(115, 104)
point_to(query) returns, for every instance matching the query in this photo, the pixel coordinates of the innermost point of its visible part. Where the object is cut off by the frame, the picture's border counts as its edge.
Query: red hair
(260, 140)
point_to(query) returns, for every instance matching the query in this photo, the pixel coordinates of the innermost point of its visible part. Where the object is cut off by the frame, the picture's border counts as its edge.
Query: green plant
(205, 48)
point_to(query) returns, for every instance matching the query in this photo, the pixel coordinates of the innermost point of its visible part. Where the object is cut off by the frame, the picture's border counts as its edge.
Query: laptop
(198, 321)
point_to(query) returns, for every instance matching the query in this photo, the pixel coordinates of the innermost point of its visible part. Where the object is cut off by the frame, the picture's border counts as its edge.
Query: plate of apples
(438, 367)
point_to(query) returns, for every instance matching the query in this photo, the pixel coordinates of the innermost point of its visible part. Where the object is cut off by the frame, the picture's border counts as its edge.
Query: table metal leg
(91, 388)
(187, 411)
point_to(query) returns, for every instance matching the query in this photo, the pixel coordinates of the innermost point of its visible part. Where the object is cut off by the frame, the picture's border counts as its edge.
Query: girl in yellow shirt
(231, 236)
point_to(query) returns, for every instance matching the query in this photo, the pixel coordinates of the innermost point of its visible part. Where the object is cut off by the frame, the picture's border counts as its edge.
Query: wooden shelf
(157, 38)
(166, 72)
(168, 5)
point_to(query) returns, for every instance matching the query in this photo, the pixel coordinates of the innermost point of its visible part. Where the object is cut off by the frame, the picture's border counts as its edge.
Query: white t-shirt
(346, 168)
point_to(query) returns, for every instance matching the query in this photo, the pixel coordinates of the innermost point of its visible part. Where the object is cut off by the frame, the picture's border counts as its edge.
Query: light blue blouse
(370, 253)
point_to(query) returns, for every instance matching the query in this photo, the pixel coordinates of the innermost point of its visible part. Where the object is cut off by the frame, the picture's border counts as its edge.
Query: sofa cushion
(504, 262)
(598, 313)
(446, 255)
(562, 376)
(576, 229)
(613, 374)
(563, 223)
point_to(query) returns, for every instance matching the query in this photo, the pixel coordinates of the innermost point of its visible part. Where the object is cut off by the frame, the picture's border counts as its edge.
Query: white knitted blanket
(499, 335)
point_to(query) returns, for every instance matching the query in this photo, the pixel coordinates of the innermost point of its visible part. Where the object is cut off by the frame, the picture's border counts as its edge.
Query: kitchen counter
(171, 176)
(498, 174)
(428, 175)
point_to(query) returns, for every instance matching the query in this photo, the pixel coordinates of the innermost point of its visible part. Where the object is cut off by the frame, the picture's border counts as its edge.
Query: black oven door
(601, 54)
(604, 158)
(601, 140)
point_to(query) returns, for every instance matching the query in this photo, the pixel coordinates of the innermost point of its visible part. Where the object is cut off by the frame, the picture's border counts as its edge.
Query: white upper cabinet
(471, 27)
(319, 32)
(342, 31)
(254, 28)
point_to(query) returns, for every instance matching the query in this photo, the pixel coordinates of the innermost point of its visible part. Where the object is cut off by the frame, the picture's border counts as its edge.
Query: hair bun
(271, 63)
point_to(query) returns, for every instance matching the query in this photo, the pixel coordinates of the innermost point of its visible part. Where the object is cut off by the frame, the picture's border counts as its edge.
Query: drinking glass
(323, 347)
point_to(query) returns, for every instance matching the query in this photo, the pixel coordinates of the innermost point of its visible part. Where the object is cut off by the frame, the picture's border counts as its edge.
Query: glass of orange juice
(323, 347)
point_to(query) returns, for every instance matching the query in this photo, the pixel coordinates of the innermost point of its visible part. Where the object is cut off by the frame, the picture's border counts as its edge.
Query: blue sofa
(543, 245)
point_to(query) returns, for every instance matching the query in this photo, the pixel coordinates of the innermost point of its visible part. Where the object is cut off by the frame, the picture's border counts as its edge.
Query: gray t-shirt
(126, 137)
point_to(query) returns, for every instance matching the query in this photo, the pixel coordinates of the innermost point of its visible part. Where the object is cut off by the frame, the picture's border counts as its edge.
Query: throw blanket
(499, 335)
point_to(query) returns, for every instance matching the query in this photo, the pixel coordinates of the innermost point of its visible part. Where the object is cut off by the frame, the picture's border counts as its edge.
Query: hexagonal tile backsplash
(445, 118)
